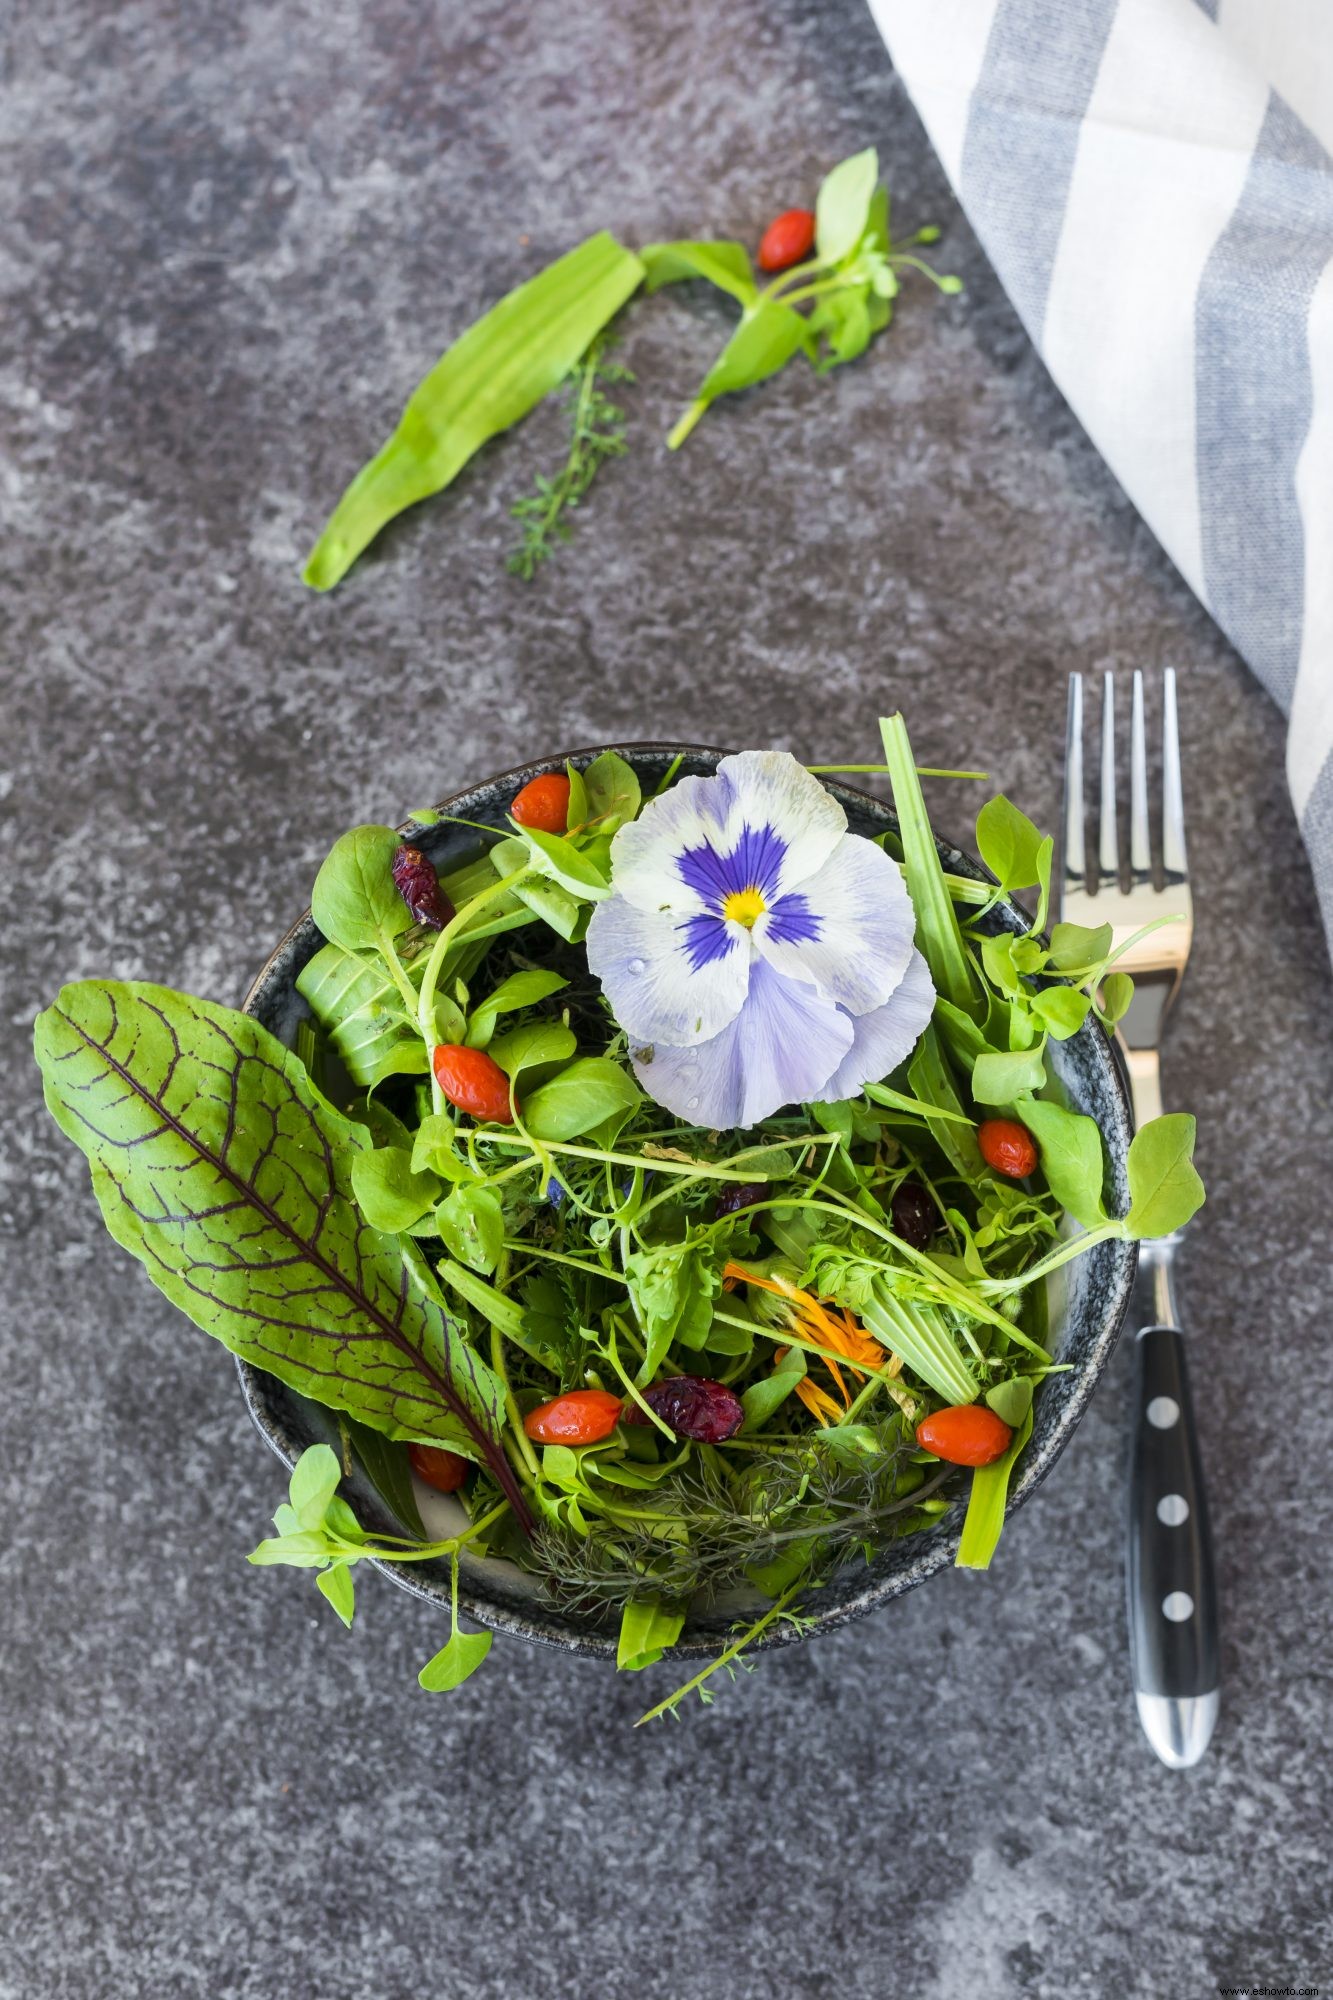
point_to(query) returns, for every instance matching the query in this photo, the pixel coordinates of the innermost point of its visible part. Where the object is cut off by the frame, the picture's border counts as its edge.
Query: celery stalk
(920, 1336)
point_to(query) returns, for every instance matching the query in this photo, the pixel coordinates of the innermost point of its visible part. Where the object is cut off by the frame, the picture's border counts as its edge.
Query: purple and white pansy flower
(755, 951)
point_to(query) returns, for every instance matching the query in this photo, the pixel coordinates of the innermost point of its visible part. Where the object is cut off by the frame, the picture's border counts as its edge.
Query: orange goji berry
(580, 1416)
(967, 1434)
(444, 1470)
(1008, 1147)
(544, 803)
(789, 238)
(474, 1082)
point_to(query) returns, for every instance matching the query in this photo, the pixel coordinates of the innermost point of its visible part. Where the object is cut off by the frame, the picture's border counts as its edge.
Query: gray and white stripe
(1152, 181)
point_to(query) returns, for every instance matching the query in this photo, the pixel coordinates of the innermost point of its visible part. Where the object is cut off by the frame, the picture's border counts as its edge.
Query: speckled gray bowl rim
(546, 1623)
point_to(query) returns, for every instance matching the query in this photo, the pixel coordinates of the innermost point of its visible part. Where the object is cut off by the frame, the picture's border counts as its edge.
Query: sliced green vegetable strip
(985, 1507)
(492, 375)
(938, 932)
(924, 1342)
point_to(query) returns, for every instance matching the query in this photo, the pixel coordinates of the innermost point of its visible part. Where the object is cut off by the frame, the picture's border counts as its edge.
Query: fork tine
(1173, 802)
(1108, 844)
(1075, 858)
(1140, 848)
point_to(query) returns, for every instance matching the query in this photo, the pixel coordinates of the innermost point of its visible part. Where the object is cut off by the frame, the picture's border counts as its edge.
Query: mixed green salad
(674, 1183)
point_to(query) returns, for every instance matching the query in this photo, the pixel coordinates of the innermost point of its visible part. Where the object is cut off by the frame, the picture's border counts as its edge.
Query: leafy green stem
(725, 1658)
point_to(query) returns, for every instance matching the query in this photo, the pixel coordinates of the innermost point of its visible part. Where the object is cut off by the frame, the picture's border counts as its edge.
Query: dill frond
(597, 432)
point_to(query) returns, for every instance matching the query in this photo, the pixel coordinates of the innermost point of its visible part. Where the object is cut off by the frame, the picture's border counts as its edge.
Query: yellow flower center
(744, 906)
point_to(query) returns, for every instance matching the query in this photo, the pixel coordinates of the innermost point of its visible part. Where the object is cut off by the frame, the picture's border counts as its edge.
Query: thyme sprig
(597, 432)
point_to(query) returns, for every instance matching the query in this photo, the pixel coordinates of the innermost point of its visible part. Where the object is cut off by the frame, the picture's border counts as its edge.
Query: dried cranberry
(915, 1216)
(694, 1408)
(742, 1196)
(417, 884)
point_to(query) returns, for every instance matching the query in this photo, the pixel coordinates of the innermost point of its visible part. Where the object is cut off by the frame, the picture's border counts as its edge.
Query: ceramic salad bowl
(1087, 1302)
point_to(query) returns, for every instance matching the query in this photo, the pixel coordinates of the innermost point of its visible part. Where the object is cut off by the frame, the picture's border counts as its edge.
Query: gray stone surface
(233, 237)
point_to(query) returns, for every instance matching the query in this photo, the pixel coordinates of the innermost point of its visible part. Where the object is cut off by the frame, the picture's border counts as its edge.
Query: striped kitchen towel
(1150, 180)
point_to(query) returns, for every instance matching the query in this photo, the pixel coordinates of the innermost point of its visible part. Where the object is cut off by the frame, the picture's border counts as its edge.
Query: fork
(1171, 1588)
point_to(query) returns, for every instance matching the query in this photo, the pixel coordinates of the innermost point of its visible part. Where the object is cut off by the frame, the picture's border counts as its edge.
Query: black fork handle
(1173, 1619)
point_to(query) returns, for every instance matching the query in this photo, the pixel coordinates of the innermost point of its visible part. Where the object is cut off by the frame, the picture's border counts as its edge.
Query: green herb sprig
(597, 433)
(554, 328)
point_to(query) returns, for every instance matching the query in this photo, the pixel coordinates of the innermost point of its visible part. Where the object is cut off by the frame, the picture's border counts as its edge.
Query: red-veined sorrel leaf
(219, 1166)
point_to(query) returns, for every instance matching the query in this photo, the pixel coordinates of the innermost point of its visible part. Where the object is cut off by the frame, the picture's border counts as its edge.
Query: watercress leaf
(307, 1549)
(354, 900)
(1164, 1187)
(1008, 843)
(574, 868)
(471, 1223)
(546, 899)
(1045, 857)
(834, 1118)
(561, 1466)
(389, 1193)
(576, 812)
(492, 375)
(647, 1628)
(876, 233)
(1023, 1029)
(1027, 954)
(342, 1522)
(536, 1042)
(765, 341)
(607, 1134)
(336, 1584)
(842, 319)
(455, 1663)
(450, 1021)
(1071, 1157)
(405, 1058)
(1117, 992)
(357, 1003)
(985, 1507)
(1062, 1010)
(1000, 1078)
(879, 311)
(1074, 946)
(1011, 1400)
(314, 1482)
(580, 1098)
(764, 1398)
(724, 264)
(997, 957)
(433, 1142)
(219, 1167)
(614, 792)
(842, 206)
